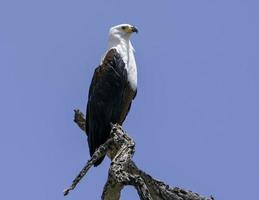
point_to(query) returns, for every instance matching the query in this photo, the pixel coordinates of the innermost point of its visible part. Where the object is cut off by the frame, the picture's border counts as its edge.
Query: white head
(122, 31)
(119, 38)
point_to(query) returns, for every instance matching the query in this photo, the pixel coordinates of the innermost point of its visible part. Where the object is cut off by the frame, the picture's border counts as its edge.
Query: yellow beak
(131, 29)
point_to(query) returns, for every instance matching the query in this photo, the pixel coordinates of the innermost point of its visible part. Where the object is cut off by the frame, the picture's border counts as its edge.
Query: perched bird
(113, 87)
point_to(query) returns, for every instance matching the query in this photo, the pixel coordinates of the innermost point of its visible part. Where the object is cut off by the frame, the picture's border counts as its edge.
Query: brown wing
(109, 99)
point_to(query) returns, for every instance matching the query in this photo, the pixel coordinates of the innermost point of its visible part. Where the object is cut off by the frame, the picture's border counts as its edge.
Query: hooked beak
(134, 29)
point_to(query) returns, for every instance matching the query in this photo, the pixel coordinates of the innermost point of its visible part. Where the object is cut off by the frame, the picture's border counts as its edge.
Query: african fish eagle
(113, 87)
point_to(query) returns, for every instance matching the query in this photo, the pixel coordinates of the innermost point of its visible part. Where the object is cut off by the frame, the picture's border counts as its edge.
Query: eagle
(113, 87)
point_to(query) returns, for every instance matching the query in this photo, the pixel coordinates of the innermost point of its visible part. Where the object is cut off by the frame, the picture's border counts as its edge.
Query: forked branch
(123, 171)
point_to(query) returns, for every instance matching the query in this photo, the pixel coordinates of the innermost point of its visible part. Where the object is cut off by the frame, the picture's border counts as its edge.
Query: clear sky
(195, 119)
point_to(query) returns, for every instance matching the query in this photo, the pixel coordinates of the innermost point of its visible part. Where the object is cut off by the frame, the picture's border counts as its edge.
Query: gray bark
(123, 171)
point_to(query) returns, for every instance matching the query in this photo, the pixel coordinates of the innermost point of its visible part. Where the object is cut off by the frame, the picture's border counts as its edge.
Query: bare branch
(101, 151)
(79, 119)
(123, 171)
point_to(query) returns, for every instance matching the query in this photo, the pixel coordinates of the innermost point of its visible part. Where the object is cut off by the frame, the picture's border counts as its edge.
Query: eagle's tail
(96, 137)
(98, 162)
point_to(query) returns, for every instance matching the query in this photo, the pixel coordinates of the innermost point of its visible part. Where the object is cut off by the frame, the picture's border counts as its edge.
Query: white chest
(127, 53)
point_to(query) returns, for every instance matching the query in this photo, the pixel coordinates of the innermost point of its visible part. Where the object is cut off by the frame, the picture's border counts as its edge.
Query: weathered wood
(123, 171)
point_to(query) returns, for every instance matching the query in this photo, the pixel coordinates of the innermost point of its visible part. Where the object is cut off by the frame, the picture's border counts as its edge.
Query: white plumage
(120, 40)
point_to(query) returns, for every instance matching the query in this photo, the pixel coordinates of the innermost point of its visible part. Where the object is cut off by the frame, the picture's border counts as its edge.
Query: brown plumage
(109, 99)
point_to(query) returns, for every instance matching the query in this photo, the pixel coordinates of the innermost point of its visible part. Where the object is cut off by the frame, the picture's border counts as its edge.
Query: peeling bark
(123, 171)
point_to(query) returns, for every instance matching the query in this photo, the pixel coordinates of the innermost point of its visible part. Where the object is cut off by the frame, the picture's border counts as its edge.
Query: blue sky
(195, 119)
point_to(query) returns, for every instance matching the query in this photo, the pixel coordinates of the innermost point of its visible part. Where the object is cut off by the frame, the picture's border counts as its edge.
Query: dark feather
(109, 100)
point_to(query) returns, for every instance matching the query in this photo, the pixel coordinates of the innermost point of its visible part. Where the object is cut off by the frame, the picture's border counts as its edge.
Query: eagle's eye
(123, 27)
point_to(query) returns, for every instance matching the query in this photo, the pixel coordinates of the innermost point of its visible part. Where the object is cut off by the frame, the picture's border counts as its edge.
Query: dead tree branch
(123, 171)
